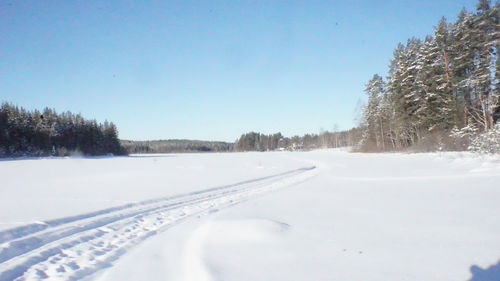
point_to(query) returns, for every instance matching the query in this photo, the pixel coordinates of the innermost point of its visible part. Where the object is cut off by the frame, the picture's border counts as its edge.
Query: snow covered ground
(321, 215)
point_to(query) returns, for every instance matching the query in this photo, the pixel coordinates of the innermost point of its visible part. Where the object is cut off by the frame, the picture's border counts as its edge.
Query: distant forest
(47, 133)
(249, 142)
(176, 146)
(442, 92)
(260, 142)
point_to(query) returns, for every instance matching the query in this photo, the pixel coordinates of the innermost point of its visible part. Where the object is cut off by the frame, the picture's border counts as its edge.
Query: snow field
(353, 217)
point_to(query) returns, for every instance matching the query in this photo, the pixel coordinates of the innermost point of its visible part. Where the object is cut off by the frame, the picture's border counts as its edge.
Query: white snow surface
(320, 215)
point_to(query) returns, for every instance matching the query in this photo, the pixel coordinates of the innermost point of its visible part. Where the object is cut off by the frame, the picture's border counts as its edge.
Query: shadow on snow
(492, 273)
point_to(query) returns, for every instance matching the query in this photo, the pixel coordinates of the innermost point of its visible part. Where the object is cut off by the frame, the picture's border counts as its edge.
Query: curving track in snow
(72, 248)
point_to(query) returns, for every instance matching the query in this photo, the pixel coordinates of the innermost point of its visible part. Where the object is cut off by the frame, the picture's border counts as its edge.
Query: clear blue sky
(207, 70)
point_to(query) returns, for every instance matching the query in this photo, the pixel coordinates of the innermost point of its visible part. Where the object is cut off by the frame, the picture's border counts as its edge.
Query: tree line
(176, 146)
(47, 133)
(253, 141)
(441, 92)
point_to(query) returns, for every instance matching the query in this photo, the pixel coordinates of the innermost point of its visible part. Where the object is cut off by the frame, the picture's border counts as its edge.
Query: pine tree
(483, 5)
(405, 95)
(375, 113)
(440, 106)
(483, 28)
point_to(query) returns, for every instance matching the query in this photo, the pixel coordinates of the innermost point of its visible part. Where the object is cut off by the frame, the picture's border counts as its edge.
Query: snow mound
(210, 250)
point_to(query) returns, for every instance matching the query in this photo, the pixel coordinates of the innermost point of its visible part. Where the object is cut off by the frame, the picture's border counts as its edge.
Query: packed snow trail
(74, 247)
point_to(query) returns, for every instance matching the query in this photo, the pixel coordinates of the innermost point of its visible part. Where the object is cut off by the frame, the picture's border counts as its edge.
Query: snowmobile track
(75, 247)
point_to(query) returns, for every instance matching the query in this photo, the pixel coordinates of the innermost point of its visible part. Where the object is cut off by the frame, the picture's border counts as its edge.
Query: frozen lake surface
(320, 215)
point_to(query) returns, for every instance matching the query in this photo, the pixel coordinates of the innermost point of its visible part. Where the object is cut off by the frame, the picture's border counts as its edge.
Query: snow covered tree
(450, 80)
(437, 105)
(487, 142)
(484, 26)
(404, 94)
(462, 65)
(483, 5)
(376, 113)
(462, 138)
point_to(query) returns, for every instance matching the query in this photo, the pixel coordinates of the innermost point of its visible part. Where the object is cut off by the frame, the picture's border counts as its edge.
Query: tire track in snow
(74, 247)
